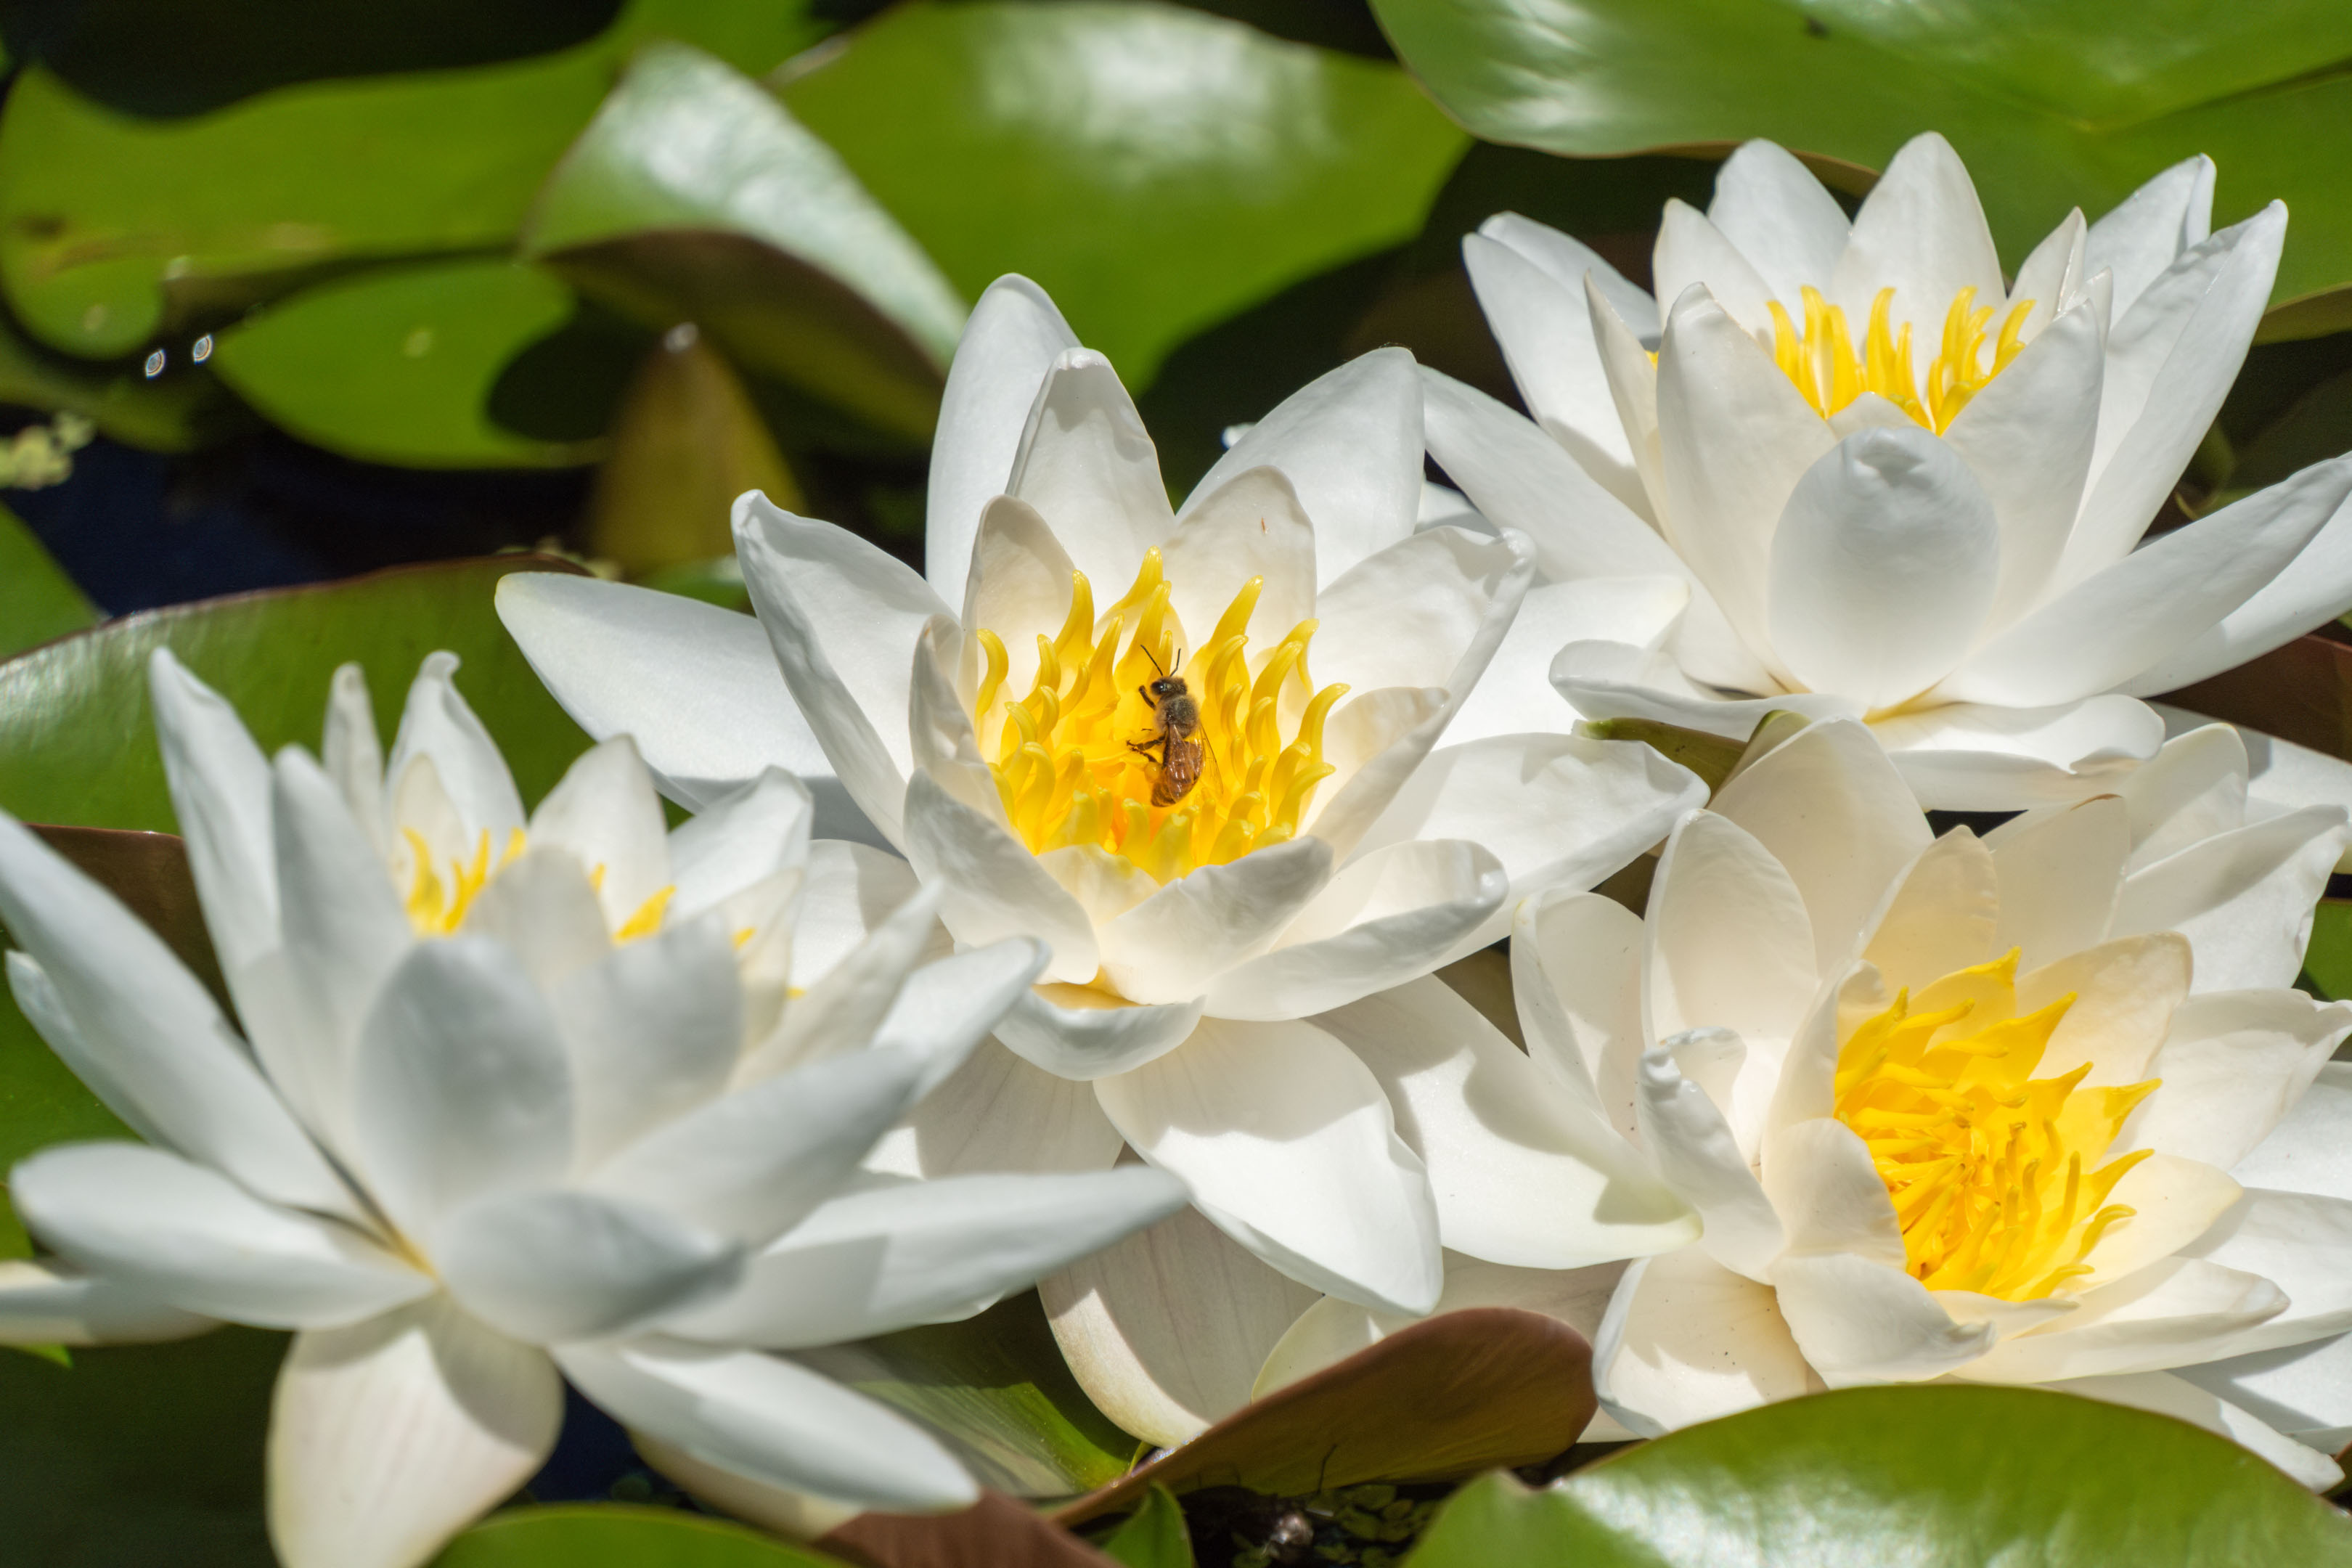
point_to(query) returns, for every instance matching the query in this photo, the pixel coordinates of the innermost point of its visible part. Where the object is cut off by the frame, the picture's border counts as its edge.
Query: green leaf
(396, 364)
(1156, 168)
(115, 229)
(1153, 1536)
(2053, 103)
(76, 744)
(1929, 1478)
(997, 1388)
(1447, 1397)
(41, 1101)
(2328, 961)
(762, 237)
(37, 600)
(141, 1453)
(611, 1535)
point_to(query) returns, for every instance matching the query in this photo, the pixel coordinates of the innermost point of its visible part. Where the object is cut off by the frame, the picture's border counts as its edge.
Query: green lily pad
(2052, 105)
(996, 1388)
(139, 1454)
(1929, 1478)
(396, 364)
(115, 229)
(77, 745)
(1156, 168)
(173, 412)
(37, 600)
(1153, 1536)
(612, 1535)
(759, 234)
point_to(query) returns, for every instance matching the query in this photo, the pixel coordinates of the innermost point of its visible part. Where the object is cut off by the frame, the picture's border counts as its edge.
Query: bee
(1178, 742)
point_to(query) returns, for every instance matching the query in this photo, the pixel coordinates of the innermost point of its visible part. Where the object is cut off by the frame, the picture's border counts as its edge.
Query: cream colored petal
(2125, 993)
(2175, 1311)
(2168, 1394)
(1576, 975)
(2059, 871)
(1940, 917)
(2232, 1065)
(1686, 1340)
(1859, 1321)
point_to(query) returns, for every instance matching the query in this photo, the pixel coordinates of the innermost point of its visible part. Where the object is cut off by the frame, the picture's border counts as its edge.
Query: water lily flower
(2031, 1107)
(1896, 485)
(515, 1100)
(995, 718)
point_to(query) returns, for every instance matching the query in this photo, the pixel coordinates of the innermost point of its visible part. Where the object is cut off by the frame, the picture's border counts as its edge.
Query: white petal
(1350, 444)
(1017, 585)
(191, 1238)
(2312, 591)
(1574, 264)
(1524, 1171)
(354, 755)
(1829, 1195)
(999, 1113)
(1941, 916)
(1087, 463)
(1859, 1321)
(765, 1418)
(437, 723)
(652, 1030)
(1169, 947)
(543, 912)
(220, 794)
(1686, 1134)
(1692, 253)
(1395, 913)
(1922, 233)
(2142, 235)
(2302, 1390)
(1735, 436)
(1632, 371)
(1166, 1331)
(1781, 218)
(2114, 624)
(992, 887)
(388, 1438)
(2232, 1065)
(2052, 277)
(1576, 975)
(925, 1252)
(1730, 947)
(2058, 878)
(1081, 1033)
(1515, 695)
(2244, 898)
(948, 1007)
(850, 890)
(1251, 525)
(695, 686)
(2174, 1202)
(1545, 330)
(1686, 1340)
(741, 838)
(750, 1163)
(2125, 992)
(2175, 1311)
(842, 1010)
(604, 811)
(552, 1267)
(2027, 438)
(463, 1088)
(842, 618)
(2168, 1394)
(1520, 478)
(41, 1304)
(1555, 810)
(1429, 611)
(2183, 343)
(1613, 680)
(1830, 807)
(152, 1031)
(2299, 1242)
(1009, 344)
(1290, 1146)
(2311, 1150)
(1966, 756)
(1882, 567)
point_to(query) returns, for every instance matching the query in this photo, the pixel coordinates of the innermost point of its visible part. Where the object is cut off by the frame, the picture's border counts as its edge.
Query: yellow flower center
(439, 904)
(1079, 758)
(1831, 369)
(1993, 1171)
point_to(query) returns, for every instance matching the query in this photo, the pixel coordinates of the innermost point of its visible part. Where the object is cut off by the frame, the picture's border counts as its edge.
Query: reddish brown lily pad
(1451, 1395)
(994, 1532)
(2300, 691)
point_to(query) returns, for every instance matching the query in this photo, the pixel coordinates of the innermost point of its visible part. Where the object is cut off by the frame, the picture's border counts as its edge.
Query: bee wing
(1179, 770)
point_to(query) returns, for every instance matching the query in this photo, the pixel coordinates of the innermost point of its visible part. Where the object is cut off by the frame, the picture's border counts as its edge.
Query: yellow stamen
(1062, 752)
(1989, 1168)
(1831, 369)
(438, 903)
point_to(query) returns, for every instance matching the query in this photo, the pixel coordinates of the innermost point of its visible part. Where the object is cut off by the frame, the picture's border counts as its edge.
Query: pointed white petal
(1922, 233)
(1516, 696)
(437, 722)
(2299, 1242)
(2302, 1390)
(2244, 898)
(1972, 756)
(390, 1436)
(1687, 1135)
(220, 794)
(851, 889)
(1253, 525)
(652, 1030)
(1862, 1321)
(1940, 917)
(2058, 878)
(1614, 681)
(1017, 585)
(2142, 235)
(1686, 1340)
(604, 811)
(1692, 253)
(1086, 465)
(2232, 1065)
(1081, 1033)
(990, 887)
(552, 1266)
(1169, 947)
(1781, 218)
(999, 1113)
(1576, 975)
(1571, 262)
(743, 836)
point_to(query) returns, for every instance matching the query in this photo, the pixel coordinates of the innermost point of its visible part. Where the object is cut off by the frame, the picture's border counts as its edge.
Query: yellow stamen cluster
(1063, 753)
(1831, 369)
(438, 905)
(1993, 1171)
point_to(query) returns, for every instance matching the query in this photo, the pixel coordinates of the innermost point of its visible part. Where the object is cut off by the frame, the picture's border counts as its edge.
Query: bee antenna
(1180, 661)
(1155, 663)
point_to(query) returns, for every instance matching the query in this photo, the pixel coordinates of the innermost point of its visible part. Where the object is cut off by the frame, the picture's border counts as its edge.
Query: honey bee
(1177, 719)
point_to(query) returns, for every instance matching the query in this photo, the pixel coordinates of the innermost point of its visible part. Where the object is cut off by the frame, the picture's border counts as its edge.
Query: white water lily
(516, 1100)
(1896, 487)
(2034, 1108)
(985, 718)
